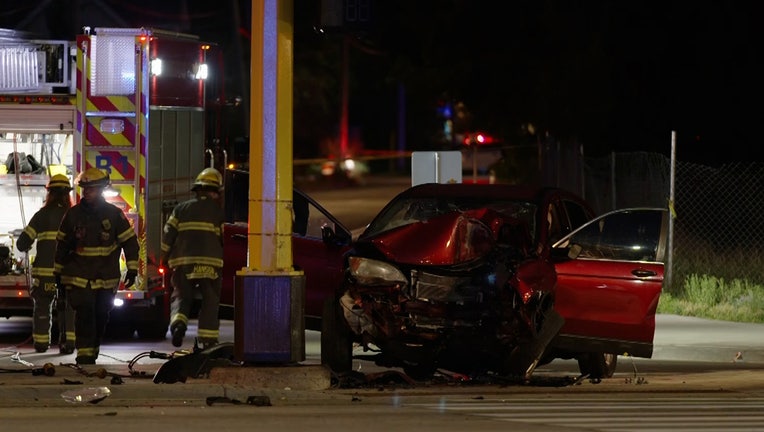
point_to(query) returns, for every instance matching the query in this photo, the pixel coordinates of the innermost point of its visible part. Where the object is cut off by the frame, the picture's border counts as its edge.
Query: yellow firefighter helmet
(92, 177)
(59, 181)
(209, 178)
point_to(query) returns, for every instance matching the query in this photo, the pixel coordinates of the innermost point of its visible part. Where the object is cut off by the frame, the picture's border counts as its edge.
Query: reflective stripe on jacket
(43, 228)
(193, 234)
(89, 244)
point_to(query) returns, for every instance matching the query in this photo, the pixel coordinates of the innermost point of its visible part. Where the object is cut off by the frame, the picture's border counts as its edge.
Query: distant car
(477, 278)
(465, 277)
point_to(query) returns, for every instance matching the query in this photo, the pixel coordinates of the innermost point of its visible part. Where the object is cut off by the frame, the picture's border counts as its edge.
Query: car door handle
(643, 273)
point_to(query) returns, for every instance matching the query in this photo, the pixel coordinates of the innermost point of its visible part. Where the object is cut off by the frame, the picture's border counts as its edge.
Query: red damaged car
(478, 279)
(497, 279)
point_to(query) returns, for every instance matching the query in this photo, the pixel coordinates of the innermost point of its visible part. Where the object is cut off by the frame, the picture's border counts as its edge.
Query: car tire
(525, 357)
(597, 365)
(336, 343)
(420, 372)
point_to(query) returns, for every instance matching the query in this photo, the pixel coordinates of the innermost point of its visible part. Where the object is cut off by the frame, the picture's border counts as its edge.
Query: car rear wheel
(336, 343)
(420, 372)
(598, 365)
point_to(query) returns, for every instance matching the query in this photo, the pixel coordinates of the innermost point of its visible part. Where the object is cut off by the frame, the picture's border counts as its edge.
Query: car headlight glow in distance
(373, 272)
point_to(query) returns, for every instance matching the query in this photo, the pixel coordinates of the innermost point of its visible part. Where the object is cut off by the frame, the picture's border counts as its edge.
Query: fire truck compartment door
(36, 118)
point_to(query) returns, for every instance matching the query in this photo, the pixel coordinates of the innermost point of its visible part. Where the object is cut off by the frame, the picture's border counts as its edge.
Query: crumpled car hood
(448, 239)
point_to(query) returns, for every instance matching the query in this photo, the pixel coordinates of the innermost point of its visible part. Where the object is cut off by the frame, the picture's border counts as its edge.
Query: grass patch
(711, 297)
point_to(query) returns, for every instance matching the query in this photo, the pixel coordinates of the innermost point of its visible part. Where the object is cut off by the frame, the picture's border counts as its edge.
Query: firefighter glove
(130, 278)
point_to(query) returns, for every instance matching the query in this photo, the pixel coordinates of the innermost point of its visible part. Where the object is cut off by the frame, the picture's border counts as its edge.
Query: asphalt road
(644, 394)
(355, 206)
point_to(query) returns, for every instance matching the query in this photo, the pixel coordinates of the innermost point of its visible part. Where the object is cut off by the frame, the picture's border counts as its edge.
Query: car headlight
(372, 272)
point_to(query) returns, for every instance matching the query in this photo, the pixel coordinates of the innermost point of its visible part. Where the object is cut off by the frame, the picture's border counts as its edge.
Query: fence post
(670, 252)
(612, 181)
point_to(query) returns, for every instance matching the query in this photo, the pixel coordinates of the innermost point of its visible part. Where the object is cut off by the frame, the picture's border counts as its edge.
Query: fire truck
(130, 101)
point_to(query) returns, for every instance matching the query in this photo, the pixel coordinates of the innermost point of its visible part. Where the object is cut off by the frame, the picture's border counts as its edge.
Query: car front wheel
(336, 343)
(597, 365)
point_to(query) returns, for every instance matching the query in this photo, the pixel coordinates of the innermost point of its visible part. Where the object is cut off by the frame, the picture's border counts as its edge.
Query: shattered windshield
(411, 210)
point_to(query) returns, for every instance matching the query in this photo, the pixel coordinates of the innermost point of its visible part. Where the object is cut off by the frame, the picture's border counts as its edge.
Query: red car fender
(535, 276)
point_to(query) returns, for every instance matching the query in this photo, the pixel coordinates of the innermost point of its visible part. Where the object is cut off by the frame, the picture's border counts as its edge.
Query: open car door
(319, 242)
(610, 280)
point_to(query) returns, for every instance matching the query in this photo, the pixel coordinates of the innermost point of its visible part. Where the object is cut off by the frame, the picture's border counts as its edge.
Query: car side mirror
(566, 252)
(326, 233)
(330, 237)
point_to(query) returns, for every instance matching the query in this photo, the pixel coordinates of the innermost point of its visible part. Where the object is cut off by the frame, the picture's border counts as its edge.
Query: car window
(308, 220)
(577, 214)
(553, 224)
(630, 235)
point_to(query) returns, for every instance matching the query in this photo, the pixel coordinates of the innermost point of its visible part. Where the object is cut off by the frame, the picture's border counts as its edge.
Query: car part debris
(47, 369)
(259, 401)
(91, 395)
(16, 358)
(195, 364)
(251, 400)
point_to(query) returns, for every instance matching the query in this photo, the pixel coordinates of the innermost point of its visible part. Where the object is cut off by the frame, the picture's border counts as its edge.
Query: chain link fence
(718, 231)
(719, 226)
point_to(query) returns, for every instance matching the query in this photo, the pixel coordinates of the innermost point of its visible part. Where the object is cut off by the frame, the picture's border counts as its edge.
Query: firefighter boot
(65, 349)
(178, 331)
(40, 347)
(83, 360)
(207, 343)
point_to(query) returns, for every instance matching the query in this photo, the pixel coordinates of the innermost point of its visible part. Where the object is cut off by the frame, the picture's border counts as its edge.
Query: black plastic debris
(251, 400)
(195, 365)
(259, 401)
(211, 400)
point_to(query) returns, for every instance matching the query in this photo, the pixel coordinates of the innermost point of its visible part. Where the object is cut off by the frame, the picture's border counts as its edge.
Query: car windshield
(406, 211)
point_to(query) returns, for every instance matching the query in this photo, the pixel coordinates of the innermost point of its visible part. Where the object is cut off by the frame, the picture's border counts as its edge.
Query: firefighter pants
(65, 319)
(92, 308)
(185, 289)
(44, 294)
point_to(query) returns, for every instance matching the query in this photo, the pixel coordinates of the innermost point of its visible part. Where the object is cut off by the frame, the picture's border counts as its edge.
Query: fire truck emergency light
(201, 72)
(156, 67)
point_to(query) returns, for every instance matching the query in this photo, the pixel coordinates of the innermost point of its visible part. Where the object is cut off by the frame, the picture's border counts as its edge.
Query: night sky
(611, 75)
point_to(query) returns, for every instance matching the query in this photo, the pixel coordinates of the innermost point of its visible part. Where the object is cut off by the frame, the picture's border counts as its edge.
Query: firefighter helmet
(209, 178)
(59, 181)
(92, 177)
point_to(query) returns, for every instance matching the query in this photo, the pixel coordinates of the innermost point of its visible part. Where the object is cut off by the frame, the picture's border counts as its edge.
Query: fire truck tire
(119, 330)
(336, 342)
(156, 322)
(152, 330)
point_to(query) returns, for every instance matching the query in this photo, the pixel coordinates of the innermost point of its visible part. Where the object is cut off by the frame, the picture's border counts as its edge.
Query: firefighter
(90, 240)
(43, 228)
(192, 246)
